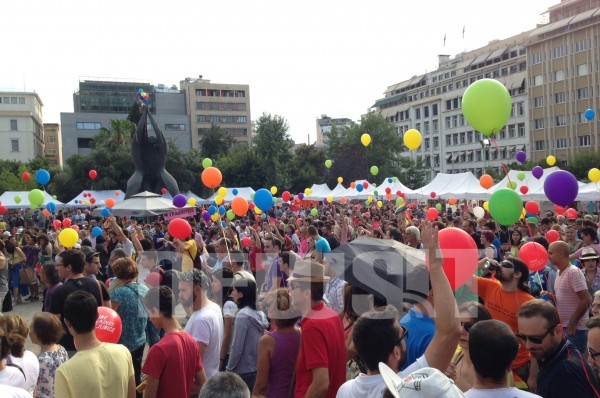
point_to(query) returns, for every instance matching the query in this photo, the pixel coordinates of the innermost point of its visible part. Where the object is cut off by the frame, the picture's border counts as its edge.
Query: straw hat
(588, 254)
(308, 271)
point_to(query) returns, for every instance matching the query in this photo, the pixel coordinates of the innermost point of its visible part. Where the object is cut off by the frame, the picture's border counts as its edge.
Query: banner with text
(180, 213)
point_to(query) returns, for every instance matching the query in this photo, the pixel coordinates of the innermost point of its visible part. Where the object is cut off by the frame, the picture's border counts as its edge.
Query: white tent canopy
(352, 193)
(589, 192)
(8, 200)
(188, 195)
(395, 186)
(143, 204)
(337, 191)
(318, 192)
(244, 192)
(100, 197)
(445, 186)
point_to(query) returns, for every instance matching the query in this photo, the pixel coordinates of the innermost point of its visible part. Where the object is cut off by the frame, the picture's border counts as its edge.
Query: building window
(581, 70)
(520, 108)
(559, 75)
(584, 140)
(448, 122)
(561, 120)
(582, 93)
(559, 98)
(436, 142)
(426, 111)
(521, 129)
(174, 127)
(581, 45)
(581, 117)
(503, 133)
(538, 102)
(561, 143)
(434, 110)
(538, 123)
(240, 93)
(14, 145)
(448, 105)
(469, 137)
(478, 156)
(14, 100)
(558, 52)
(21, 100)
(536, 59)
(84, 143)
(511, 131)
(455, 121)
(462, 138)
(427, 143)
(455, 139)
(426, 127)
(537, 80)
(88, 125)
(448, 140)
(435, 126)
(13, 125)
(539, 145)
(51, 138)
(418, 113)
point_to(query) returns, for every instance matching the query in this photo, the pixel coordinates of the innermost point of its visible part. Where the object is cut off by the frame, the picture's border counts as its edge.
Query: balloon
(300, 196)
(25, 176)
(589, 114)
(215, 217)
(36, 197)
(412, 139)
(511, 185)
(374, 170)
(379, 203)
(486, 181)
(110, 202)
(521, 157)
(359, 188)
(46, 212)
(552, 235)
(551, 160)
(343, 200)
(51, 206)
(340, 180)
(222, 211)
(163, 190)
(18, 199)
(75, 227)
(486, 205)
(211, 177)
(66, 222)
(192, 201)
(222, 191)
(505, 206)
(314, 211)
(68, 237)
(307, 191)
(286, 196)
(93, 174)
(365, 185)
(352, 184)
(42, 177)
(56, 224)
(594, 175)
(230, 215)
(521, 176)
(179, 201)
(432, 194)
(93, 200)
(532, 207)
(561, 188)
(328, 163)
(106, 212)
(263, 199)
(3, 210)
(571, 214)
(273, 190)
(205, 215)
(206, 163)
(389, 180)
(239, 205)
(537, 172)
(234, 191)
(96, 232)
(438, 206)
(534, 255)
(179, 228)
(218, 199)
(486, 105)
(432, 213)
(524, 189)
(330, 199)
(460, 255)
(365, 139)
(246, 242)
(452, 201)
(479, 212)
(117, 193)
(154, 279)
(108, 325)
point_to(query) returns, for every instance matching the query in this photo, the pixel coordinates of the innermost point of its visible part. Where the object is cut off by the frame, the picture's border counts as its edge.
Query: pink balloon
(460, 256)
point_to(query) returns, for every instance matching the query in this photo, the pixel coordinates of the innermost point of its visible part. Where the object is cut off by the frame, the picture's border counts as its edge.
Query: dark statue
(149, 157)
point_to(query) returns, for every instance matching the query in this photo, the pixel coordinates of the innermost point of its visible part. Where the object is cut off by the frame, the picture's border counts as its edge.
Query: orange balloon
(388, 195)
(452, 201)
(343, 200)
(46, 213)
(486, 181)
(239, 206)
(117, 193)
(211, 177)
(353, 184)
(110, 202)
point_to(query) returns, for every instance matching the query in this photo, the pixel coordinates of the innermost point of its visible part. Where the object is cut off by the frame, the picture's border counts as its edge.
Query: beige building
(324, 126)
(224, 105)
(53, 144)
(21, 126)
(563, 66)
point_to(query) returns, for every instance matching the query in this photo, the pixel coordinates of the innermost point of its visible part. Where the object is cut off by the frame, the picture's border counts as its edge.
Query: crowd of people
(255, 307)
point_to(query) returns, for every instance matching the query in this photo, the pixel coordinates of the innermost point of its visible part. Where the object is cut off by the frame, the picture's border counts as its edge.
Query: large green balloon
(505, 206)
(36, 197)
(206, 162)
(374, 170)
(486, 105)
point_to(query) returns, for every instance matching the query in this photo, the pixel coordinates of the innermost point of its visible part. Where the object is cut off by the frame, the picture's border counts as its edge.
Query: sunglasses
(535, 339)
(592, 353)
(403, 335)
(467, 325)
(507, 264)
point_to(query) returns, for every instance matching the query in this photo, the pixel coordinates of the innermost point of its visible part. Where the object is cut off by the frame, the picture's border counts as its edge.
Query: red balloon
(93, 174)
(108, 325)
(559, 210)
(179, 228)
(432, 213)
(246, 242)
(92, 200)
(432, 195)
(154, 279)
(56, 224)
(75, 227)
(25, 176)
(388, 190)
(398, 193)
(66, 222)
(571, 214)
(3, 209)
(532, 207)
(365, 185)
(163, 191)
(251, 206)
(460, 256)
(552, 235)
(534, 255)
(286, 196)
(524, 189)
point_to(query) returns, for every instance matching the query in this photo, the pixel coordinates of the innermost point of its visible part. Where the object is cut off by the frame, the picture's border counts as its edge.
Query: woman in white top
(25, 359)
(10, 342)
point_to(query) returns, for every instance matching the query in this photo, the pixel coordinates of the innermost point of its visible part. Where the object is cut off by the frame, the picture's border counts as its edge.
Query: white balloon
(479, 212)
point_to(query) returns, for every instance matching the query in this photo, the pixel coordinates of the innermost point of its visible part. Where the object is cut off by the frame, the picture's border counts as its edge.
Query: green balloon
(376, 193)
(399, 201)
(521, 176)
(505, 206)
(394, 179)
(206, 162)
(54, 197)
(230, 215)
(486, 105)
(328, 163)
(374, 170)
(314, 211)
(252, 196)
(438, 206)
(18, 199)
(36, 197)
(511, 185)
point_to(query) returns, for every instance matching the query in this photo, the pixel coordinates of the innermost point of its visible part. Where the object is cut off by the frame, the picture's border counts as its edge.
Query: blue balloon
(96, 232)
(222, 210)
(589, 114)
(76, 201)
(51, 207)
(42, 177)
(390, 180)
(223, 224)
(212, 210)
(235, 191)
(359, 187)
(263, 199)
(106, 212)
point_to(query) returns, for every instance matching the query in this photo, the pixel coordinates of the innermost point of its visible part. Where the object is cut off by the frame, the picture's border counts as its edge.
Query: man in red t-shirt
(321, 367)
(173, 365)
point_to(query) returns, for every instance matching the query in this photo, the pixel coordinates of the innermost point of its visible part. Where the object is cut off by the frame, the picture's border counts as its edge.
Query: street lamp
(485, 145)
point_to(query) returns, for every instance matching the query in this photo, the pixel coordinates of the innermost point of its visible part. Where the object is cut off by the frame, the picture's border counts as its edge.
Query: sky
(301, 59)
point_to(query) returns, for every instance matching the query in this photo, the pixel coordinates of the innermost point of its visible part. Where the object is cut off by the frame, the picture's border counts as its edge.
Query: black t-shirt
(60, 295)
(333, 241)
(477, 238)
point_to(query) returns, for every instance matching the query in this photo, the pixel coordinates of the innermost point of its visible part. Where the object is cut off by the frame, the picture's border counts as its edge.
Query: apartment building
(21, 126)
(324, 126)
(53, 144)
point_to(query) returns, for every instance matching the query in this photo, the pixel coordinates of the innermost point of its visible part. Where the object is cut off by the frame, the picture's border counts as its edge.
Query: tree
(273, 144)
(116, 137)
(413, 173)
(309, 166)
(582, 163)
(242, 167)
(215, 143)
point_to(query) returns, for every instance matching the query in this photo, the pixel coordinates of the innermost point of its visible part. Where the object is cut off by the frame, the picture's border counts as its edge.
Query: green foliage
(117, 137)
(309, 168)
(215, 143)
(242, 167)
(582, 163)
(273, 145)
(413, 173)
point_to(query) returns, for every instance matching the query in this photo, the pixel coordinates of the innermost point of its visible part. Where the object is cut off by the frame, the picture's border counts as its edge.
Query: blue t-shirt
(133, 314)
(421, 329)
(321, 245)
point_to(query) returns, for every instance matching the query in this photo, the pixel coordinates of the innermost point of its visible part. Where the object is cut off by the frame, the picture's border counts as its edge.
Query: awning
(513, 81)
(498, 53)
(449, 158)
(469, 153)
(456, 157)
(583, 16)
(388, 100)
(551, 27)
(480, 59)
(512, 149)
(524, 148)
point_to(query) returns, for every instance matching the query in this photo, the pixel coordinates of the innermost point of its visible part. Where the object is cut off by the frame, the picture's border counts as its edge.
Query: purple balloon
(179, 200)
(325, 201)
(206, 216)
(521, 157)
(537, 172)
(561, 188)
(301, 196)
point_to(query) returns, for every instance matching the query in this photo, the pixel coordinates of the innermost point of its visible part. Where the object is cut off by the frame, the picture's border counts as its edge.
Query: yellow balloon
(307, 191)
(222, 192)
(192, 201)
(379, 203)
(257, 211)
(219, 199)
(68, 237)
(412, 139)
(523, 213)
(551, 160)
(370, 198)
(594, 175)
(330, 199)
(273, 190)
(486, 205)
(215, 217)
(365, 139)
(340, 180)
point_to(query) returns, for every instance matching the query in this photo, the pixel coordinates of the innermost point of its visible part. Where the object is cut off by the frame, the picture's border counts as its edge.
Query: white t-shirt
(31, 366)
(230, 309)
(206, 326)
(509, 392)
(12, 376)
(372, 386)
(13, 392)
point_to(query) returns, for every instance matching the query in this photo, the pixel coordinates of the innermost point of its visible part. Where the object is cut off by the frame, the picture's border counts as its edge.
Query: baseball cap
(195, 275)
(423, 383)
(19, 231)
(88, 252)
(6, 233)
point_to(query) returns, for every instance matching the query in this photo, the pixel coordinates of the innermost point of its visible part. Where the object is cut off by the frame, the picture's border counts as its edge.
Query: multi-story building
(432, 104)
(21, 126)
(223, 105)
(97, 102)
(324, 126)
(563, 66)
(53, 144)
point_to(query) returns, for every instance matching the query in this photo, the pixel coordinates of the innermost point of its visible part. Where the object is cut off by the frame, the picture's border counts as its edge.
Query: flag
(444, 39)
(463, 31)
